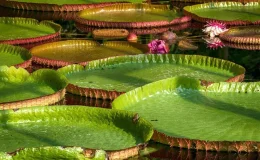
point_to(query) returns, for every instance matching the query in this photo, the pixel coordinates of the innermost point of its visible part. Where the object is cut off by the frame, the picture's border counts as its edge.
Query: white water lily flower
(214, 28)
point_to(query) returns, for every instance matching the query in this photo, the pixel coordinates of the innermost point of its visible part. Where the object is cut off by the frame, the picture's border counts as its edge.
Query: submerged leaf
(186, 45)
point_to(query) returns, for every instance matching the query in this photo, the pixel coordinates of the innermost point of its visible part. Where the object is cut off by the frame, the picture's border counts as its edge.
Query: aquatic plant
(214, 28)
(158, 46)
(104, 79)
(229, 13)
(217, 107)
(132, 37)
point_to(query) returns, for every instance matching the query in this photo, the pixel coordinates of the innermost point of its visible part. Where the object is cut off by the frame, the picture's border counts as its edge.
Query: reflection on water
(166, 153)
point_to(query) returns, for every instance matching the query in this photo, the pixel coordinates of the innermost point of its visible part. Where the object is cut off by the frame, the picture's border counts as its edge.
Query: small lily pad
(14, 56)
(20, 89)
(242, 35)
(220, 117)
(25, 30)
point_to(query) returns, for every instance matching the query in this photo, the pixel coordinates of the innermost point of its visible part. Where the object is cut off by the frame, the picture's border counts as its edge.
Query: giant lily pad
(9, 12)
(107, 78)
(76, 153)
(63, 53)
(66, 126)
(231, 13)
(59, 5)
(242, 35)
(128, 15)
(26, 30)
(242, 46)
(20, 89)
(141, 31)
(14, 56)
(221, 117)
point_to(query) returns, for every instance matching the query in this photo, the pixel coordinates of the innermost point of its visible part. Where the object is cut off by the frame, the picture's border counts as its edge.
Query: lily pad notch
(182, 89)
(84, 17)
(114, 62)
(15, 56)
(46, 78)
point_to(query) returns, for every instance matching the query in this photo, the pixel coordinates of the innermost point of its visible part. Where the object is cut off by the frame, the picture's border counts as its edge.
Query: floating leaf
(242, 35)
(62, 53)
(231, 13)
(69, 126)
(127, 15)
(221, 117)
(25, 30)
(20, 89)
(14, 56)
(110, 77)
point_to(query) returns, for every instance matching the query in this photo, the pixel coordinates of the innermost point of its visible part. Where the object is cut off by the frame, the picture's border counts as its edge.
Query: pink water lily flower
(214, 28)
(158, 46)
(214, 43)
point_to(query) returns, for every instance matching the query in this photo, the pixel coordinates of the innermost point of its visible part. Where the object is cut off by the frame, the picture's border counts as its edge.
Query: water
(249, 59)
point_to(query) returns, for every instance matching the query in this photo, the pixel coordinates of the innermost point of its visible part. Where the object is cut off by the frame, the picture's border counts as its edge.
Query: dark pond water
(250, 59)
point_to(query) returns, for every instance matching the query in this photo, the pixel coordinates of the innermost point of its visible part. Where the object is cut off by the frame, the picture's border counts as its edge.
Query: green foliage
(25, 86)
(226, 11)
(181, 108)
(81, 126)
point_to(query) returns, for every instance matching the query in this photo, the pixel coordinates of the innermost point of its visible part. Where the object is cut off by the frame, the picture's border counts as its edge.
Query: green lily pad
(242, 35)
(75, 153)
(222, 116)
(107, 78)
(63, 53)
(81, 126)
(129, 15)
(242, 46)
(14, 56)
(232, 13)
(25, 30)
(62, 2)
(9, 12)
(20, 89)
(60, 5)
